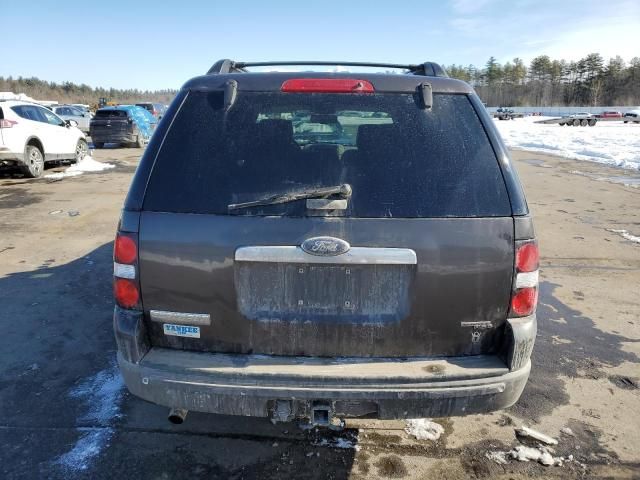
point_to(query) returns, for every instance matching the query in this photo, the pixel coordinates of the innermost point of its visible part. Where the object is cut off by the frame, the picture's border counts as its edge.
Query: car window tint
(401, 160)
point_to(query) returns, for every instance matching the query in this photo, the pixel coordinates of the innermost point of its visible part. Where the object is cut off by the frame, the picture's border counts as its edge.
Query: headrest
(274, 131)
(372, 137)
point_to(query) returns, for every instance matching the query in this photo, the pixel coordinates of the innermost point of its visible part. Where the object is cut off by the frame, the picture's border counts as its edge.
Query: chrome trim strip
(479, 324)
(122, 270)
(357, 255)
(201, 319)
(529, 279)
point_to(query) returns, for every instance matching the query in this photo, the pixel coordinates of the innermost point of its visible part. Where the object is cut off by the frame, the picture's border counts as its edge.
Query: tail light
(525, 292)
(327, 85)
(126, 284)
(5, 123)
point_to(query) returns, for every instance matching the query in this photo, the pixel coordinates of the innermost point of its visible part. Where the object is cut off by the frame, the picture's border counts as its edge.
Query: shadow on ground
(568, 345)
(65, 413)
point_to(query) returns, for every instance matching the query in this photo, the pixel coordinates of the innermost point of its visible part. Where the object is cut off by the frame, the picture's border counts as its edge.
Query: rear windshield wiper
(343, 190)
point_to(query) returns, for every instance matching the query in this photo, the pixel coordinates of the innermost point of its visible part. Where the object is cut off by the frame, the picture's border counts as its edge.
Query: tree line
(544, 82)
(69, 92)
(589, 81)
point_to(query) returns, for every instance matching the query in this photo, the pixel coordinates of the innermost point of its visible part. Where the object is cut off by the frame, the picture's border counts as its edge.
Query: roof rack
(429, 69)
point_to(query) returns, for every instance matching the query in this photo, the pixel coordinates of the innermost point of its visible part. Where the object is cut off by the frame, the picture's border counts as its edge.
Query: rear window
(111, 114)
(400, 160)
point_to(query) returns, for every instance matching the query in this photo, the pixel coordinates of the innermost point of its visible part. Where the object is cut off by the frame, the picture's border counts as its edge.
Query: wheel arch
(36, 142)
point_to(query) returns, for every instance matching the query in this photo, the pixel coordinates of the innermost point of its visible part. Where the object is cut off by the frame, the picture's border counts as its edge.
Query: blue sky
(152, 44)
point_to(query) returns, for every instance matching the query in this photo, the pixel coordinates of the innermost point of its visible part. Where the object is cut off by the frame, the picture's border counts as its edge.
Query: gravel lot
(64, 413)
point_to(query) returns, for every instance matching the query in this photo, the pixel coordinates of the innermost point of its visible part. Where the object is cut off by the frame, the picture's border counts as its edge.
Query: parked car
(122, 124)
(610, 114)
(632, 116)
(392, 273)
(67, 112)
(31, 135)
(83, 108)
(155, 109)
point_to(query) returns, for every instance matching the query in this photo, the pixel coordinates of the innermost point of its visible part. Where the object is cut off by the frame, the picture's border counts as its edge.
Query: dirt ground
(64, 413)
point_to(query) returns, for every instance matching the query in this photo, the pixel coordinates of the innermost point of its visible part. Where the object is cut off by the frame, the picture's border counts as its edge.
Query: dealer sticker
(181, 330)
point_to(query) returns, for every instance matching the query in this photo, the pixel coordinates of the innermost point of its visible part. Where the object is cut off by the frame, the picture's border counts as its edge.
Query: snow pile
(87, 164)
(610, 143)
(102, 395)
(424, 429)
(540, 455)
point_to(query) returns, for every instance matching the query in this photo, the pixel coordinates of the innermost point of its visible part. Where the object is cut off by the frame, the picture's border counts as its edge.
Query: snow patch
(625, 234)
(610, 143)
(424, 429)
(86, 449)
(87, 164)
(101, 395)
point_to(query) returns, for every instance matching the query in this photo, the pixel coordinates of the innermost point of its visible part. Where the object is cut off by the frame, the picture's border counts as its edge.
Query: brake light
(125, 250)
(126, 285)
(527, 257)
(5, 123)
(525, 289)
(126, 293)
(327, 85)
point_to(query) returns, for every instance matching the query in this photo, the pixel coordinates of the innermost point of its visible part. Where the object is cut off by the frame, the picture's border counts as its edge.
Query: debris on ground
(540, 455)
(499, 457)
(55, 212)
(567, 431)
(73, 213)
(531, 433)
(424, 429)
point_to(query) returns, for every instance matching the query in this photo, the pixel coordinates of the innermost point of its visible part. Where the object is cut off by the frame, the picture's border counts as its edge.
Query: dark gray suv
(326, 245)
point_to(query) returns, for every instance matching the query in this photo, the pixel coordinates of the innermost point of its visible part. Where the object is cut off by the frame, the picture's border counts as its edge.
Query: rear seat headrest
(371, 137)
(274, 131)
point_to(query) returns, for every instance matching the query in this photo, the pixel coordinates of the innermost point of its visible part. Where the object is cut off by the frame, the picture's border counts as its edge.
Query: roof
(272, 81)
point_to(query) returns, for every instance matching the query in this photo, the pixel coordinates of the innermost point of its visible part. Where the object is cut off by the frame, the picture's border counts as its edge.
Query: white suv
(31, 135)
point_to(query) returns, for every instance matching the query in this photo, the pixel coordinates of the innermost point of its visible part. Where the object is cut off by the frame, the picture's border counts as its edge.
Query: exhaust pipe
(177, 415)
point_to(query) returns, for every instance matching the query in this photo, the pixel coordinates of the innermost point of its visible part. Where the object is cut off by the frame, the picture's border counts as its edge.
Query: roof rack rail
(429, 69)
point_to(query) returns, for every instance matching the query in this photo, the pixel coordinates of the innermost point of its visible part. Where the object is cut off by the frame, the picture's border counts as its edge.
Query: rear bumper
(259, 385)
(179, 384)
(115, 137)
(13, 157)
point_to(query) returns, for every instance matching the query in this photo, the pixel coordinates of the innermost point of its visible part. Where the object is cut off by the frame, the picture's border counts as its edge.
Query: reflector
(524, 301)
(126, 293)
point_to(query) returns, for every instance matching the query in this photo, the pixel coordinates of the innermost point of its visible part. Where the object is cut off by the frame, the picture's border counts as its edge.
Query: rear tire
(592, 123)
(98, 144)
(81, 150)
(33, 162)
(576, 123)
(584, 122)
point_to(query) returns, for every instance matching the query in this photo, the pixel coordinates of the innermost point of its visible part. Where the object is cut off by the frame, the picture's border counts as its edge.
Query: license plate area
(352, 293)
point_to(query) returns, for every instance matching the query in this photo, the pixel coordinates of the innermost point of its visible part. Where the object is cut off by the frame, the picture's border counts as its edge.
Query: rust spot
(435, 369)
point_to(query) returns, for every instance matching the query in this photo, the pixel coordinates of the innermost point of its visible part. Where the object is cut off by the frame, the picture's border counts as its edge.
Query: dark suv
(383, 266)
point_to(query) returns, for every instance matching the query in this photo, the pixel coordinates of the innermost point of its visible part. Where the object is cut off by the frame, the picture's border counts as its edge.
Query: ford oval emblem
(325, 246)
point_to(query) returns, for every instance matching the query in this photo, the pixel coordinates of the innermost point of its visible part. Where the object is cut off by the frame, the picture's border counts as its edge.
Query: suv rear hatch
(108, 124)
(429, 226)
